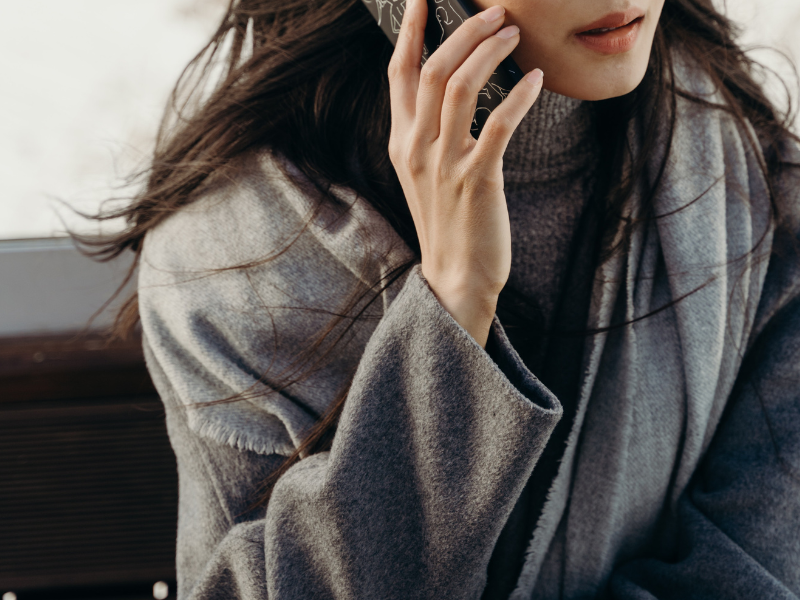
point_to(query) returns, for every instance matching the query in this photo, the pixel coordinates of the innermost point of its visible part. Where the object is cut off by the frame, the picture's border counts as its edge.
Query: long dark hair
(308, 79)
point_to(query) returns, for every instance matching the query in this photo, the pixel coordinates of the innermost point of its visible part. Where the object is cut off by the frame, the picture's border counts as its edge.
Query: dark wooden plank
(71, 366)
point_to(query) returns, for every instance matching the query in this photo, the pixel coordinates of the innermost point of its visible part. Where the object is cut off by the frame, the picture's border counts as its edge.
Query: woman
(556, 361)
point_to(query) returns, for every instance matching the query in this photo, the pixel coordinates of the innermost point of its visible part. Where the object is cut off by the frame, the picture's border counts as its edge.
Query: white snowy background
(84, 84)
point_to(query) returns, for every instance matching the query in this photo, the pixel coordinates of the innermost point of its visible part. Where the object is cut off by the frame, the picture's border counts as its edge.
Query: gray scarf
(661, 383)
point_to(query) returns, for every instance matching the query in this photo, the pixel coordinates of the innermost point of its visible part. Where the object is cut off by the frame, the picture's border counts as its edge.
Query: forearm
(433, 448)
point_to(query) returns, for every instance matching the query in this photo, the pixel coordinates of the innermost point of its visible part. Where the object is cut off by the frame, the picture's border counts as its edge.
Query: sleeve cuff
(498, 356)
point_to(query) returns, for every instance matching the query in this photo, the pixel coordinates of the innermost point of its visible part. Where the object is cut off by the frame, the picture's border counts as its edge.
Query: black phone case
(444, 17)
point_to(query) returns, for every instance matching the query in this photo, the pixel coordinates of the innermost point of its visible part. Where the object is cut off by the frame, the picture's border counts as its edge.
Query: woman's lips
(613, 33)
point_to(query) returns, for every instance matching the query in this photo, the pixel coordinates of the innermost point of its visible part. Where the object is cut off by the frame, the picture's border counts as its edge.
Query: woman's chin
(590, 86)
(578, 73)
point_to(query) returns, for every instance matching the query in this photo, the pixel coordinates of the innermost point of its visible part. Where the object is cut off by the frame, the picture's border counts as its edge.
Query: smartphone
(444, 17)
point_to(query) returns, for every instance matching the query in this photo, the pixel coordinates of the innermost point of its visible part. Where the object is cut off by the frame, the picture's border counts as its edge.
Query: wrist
(471, 308)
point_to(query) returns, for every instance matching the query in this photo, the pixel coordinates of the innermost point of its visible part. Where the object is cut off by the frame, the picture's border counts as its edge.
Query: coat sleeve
(738, 523)
(437, 438)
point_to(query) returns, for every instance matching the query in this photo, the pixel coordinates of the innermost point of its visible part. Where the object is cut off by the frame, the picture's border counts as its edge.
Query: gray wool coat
(681, 475)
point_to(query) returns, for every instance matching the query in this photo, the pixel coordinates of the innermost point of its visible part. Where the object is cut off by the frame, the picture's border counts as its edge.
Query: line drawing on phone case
(444, 17)
(396, 11)
(441, 10)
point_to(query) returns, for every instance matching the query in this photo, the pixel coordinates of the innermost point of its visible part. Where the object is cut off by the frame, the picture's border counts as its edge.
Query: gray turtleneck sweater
(549, 172)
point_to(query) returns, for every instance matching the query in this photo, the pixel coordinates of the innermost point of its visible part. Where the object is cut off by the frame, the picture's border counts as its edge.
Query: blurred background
(89, 490)
(85, 83)
(89, 501)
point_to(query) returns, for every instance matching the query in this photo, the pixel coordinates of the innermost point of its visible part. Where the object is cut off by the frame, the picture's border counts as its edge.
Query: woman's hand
(454, 184)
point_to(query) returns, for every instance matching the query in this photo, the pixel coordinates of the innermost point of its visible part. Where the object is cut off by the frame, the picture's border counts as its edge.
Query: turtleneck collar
(554, 139)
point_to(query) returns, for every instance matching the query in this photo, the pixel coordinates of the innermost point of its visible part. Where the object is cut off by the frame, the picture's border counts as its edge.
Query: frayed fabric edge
(222, 434)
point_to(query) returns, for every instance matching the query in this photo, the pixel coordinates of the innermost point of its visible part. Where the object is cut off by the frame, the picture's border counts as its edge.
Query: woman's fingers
(463, 87)
(457, 203)
(439, 68)
(404, 66)
(500, 125)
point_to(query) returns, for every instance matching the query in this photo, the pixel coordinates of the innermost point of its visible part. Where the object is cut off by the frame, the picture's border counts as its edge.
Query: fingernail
(507, 32)
(535, 77)
(493, 13)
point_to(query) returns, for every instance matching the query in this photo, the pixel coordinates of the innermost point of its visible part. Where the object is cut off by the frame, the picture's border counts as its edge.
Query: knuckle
(406, 156)
(476, 27)
(506, 125)
(499, 125)
(477, 183)
(413, 162)
(394, 149)
(472, 179)
(457, 90)
(394, 70)
(414, 158)
(431, 75)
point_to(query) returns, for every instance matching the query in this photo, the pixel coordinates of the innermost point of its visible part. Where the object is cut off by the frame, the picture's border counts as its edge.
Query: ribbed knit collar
(554, 139)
